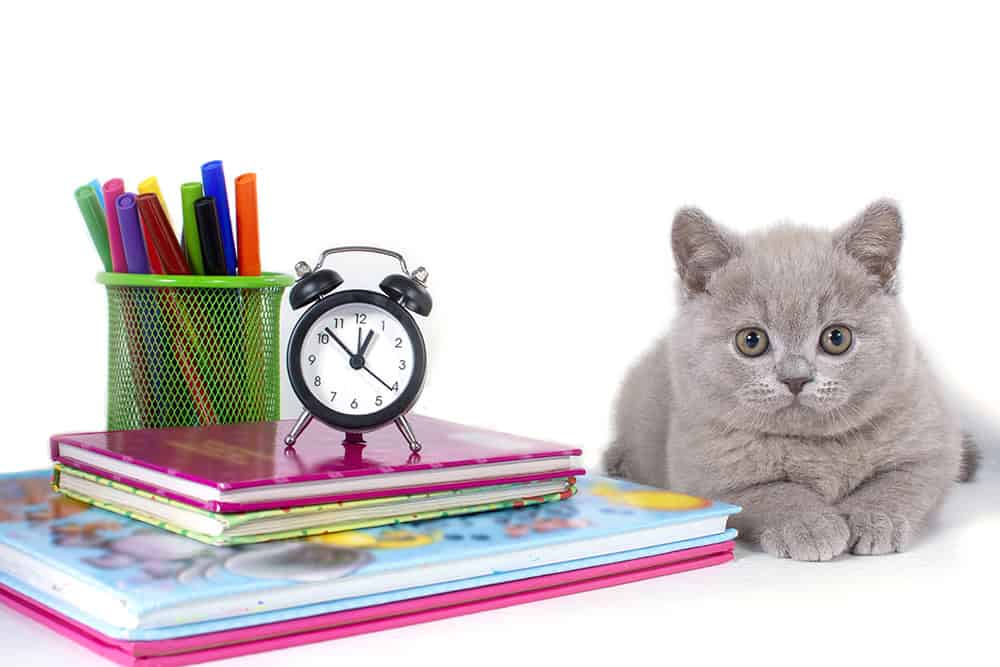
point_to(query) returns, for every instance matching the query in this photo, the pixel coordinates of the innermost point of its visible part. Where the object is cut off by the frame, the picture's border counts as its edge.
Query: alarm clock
(356, 358)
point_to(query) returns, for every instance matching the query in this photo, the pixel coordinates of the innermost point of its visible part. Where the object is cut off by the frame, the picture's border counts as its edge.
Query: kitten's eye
(836, 339)
(751, 342)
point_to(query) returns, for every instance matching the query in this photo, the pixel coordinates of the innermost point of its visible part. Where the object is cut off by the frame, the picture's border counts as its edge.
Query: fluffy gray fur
(860, 457)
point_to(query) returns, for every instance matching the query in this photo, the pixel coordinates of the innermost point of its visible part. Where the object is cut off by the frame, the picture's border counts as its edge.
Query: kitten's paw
(812, 536)
(876, 533)
(617, 462)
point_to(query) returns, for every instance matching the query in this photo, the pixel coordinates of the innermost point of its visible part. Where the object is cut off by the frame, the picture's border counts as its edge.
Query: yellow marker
(153, 185)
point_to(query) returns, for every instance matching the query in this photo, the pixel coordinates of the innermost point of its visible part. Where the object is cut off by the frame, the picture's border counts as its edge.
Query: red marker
(165, 254)
(155, 265)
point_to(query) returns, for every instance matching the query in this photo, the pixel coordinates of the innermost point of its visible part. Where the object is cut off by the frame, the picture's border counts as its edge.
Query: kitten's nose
(795, 384)
(795, 371)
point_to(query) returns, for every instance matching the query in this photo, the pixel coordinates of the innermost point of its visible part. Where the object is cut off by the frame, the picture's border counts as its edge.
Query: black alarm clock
(356, 359)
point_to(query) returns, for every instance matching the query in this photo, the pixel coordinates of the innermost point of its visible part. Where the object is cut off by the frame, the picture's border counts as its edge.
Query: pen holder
(193, 350)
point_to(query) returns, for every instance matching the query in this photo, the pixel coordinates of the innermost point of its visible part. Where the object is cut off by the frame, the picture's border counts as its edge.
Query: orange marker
(247, 234)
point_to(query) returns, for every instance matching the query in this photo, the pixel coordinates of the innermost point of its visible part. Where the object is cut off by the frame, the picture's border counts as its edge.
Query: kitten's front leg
(885, 512)
(790, 521)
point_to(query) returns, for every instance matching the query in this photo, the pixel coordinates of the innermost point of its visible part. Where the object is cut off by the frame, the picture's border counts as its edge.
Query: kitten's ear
(874, 239)
(701, 247)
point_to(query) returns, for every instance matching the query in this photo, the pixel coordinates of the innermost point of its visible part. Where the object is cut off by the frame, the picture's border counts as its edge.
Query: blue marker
(96, 184)
(214, 182)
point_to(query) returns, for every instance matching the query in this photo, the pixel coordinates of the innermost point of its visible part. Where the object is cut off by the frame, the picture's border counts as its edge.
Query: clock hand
(363, 347)
(359, 343)
(378, 378)
(339, 342)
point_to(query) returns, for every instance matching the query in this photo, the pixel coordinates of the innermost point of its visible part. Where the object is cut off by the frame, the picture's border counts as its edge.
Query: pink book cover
(283, 634)
(253, 455)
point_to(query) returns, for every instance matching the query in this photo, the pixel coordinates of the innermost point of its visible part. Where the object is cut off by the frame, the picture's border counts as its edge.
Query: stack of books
(143, 596)
(238, 483)
(176, 546)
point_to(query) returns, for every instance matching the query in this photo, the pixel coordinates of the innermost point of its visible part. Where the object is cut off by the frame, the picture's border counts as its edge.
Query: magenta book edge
(244, 641)
(71, 439)
(222, 507)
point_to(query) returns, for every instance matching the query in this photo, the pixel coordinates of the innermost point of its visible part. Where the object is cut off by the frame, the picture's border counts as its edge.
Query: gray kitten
(790, 384)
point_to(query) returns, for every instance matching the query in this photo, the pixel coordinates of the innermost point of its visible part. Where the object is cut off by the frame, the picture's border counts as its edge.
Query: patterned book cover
(203, 647)
(156, 574)
(247, 456)
(391, 518)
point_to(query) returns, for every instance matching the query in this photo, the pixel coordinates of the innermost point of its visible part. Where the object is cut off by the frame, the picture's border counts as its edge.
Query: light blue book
(130, 581)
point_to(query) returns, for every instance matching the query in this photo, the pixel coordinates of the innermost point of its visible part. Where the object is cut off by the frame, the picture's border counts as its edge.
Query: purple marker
(132, 241)
(111, 190)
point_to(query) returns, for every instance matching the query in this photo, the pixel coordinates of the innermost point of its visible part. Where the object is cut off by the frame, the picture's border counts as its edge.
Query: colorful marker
(151, 185)
(111, 190)
(128, 221)
(158, 233)
(247, 234)
(214, 181)
(96, 184)
(208, 233)
(93, 215)
(190, 192)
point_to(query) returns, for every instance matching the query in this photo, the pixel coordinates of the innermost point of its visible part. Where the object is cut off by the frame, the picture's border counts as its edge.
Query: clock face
(358, 359)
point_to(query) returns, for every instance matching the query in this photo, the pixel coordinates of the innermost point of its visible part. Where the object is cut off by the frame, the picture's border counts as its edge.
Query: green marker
(192, 243)
(93, 215)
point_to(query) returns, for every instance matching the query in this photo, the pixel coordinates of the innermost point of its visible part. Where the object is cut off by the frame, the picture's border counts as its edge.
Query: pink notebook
(257, 639)
(246, 467)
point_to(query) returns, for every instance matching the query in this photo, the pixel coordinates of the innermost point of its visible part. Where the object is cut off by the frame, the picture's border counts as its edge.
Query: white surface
(530, 154)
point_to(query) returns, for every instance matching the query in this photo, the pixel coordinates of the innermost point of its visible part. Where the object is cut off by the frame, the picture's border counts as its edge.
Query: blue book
(127, 580)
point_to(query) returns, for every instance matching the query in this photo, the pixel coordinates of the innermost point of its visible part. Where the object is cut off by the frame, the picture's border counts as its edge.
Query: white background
(531, 154)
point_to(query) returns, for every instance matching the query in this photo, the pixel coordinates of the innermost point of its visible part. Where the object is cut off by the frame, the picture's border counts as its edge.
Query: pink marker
(111, 190)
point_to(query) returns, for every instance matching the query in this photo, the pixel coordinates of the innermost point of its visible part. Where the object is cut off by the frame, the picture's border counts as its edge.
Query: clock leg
(411, 440)
(300, 425)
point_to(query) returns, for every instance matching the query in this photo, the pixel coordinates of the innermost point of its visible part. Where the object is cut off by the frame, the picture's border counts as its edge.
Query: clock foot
(411, 440)
(354, 438)
(354, 447)
(300, 425)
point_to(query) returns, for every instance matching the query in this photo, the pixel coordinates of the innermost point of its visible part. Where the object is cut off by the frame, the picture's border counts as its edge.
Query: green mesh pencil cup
(193, 350)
